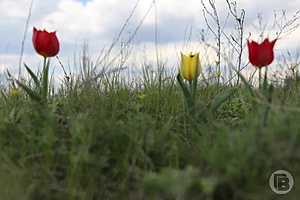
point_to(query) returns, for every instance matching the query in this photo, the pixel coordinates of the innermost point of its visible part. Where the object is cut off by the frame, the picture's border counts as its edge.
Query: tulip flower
(45, 43)
(189, 70)
(190, 66)
(15, 92)
(261, 55)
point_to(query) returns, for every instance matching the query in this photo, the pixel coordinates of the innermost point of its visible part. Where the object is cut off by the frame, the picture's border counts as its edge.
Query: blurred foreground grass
(113, 140)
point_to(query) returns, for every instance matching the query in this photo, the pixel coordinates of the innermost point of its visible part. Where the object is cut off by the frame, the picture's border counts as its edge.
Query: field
(114, 140)
(193, 131)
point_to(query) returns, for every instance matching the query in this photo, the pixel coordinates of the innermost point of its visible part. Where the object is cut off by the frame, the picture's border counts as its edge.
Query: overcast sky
(97, 22)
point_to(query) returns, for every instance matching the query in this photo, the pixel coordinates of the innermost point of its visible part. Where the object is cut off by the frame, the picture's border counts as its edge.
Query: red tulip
(45, 43)
(261, 55)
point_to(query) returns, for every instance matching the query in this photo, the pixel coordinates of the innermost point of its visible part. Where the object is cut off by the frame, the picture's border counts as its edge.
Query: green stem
(192, 92)
(195, 83)
(45, 80)
(44, 64)
(191, 87)
(266, 74)
(259, 78)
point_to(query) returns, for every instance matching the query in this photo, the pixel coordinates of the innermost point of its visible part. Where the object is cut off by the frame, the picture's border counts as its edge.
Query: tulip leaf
(185, 90)
(32, 94)
(221, 98)
(33, 76)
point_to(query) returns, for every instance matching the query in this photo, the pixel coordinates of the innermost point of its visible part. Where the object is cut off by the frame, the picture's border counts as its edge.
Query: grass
(114, 139)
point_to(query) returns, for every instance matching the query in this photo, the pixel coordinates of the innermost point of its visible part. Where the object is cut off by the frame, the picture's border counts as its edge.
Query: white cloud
(13, 9)
(98, 22)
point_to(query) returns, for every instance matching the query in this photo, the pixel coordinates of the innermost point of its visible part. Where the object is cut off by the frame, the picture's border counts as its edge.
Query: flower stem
(45, 80)
(45, 62)
(191, 95)
(259, 78)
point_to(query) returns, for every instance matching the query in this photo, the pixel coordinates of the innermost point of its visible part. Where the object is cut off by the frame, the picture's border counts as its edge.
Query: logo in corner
(281, 182)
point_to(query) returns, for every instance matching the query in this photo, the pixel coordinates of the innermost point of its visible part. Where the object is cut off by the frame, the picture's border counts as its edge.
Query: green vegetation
(114, 139)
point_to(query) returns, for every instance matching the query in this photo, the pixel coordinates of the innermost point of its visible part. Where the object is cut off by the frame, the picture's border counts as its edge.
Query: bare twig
(239, 19)
(129, 40)
(286, 26)
(100, 60)
(212, 12)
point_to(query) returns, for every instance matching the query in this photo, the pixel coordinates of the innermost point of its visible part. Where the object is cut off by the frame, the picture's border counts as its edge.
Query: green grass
(115, 140)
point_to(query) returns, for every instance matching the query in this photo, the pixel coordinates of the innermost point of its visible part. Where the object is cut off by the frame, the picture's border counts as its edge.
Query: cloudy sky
(98, 22)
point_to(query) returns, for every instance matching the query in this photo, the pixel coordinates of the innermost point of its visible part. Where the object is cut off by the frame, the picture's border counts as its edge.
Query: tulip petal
(190, 67)
(45, 43)
(262, 54)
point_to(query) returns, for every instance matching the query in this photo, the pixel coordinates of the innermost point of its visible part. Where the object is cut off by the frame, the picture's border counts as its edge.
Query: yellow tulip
(15, 92)
(141, 96)
(190, 66)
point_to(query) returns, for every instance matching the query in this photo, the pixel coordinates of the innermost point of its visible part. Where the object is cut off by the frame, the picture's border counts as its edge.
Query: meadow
(112, 140)
(162, 135)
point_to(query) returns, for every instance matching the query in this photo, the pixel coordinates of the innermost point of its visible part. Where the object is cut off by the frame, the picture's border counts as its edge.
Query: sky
(98, 22)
